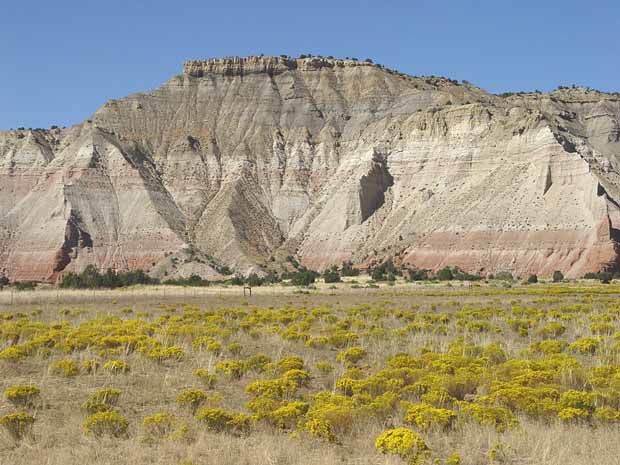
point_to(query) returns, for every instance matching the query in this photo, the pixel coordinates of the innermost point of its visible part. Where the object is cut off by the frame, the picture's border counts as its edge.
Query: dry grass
(63, 443)
(150, 388)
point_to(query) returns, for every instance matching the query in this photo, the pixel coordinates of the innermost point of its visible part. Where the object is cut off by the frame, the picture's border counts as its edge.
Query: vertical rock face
(250, 160)
(373, 187)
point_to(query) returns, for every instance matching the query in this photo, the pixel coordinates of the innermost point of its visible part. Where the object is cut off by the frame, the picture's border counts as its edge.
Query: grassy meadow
(336, 374)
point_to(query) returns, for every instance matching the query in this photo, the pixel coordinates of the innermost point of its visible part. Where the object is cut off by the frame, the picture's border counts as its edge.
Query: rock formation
(246, 161)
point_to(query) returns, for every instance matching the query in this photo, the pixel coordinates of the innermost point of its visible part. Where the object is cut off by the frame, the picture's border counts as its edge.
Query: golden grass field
(342, 374)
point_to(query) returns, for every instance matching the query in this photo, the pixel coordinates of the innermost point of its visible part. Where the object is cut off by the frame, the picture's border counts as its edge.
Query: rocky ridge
(247, 161)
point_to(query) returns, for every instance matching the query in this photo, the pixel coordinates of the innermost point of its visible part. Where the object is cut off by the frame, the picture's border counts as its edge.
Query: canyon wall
(247, 161)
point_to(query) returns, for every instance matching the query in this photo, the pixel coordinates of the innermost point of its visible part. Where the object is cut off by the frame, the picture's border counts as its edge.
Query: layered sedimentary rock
(247, 161)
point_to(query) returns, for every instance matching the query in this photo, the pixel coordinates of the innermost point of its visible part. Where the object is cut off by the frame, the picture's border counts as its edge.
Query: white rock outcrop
(251, 160)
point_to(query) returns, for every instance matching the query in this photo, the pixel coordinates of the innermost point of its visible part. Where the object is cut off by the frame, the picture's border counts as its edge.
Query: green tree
(378, 274)
(303, 278)
(347, 269)
(504, 276)
(254, 280)
(445, 274)
(418, 275)
(331, 275)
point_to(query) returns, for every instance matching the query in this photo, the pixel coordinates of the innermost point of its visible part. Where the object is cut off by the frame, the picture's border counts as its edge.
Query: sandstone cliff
(250, 160)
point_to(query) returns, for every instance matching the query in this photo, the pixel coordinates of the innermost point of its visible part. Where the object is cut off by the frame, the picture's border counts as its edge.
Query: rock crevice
(374, 185)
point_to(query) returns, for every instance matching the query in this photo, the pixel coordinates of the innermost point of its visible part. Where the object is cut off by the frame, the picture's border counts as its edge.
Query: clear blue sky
(62, 59)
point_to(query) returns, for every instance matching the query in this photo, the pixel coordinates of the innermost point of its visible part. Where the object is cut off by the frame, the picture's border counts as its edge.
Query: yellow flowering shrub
(279, 388)
(351, 356)
(192, 399)
(330, 416)
(240, 424)
(116, 366)
(578, 399)
(346, 385)
(106, 424)
(219, 420)
(207, 343)
(320, 428)
(289, 415)
(159, 426)
(494, 353)
(404, 443)
(548, 347)
(18, 425)
(232, 369)
(341, 338)
(234, 348)
(426, 417)
(604, 329)
(570, 414)
(552, 329)
(90, 365)
(65, 368)
(22, 396)
(607, 415)
(318, 342)
(536, 402)
(586, 345)
(353, 373)
(14, 354)
(499, 418)
(208, 379)
(290, 363)
(437, 396)
(163, 354)
(102, 400)
(263, 407)
(257, 363)
(299, 377)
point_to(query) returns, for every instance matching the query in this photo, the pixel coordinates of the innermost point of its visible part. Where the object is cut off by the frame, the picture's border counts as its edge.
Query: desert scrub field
(405, 375)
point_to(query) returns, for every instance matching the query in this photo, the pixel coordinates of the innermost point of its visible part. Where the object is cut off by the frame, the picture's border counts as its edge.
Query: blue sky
(61, 60)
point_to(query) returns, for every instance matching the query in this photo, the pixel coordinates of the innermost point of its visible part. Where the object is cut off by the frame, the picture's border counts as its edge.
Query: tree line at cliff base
(92, 278)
